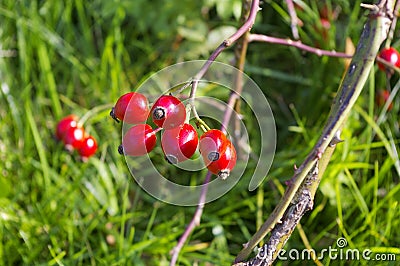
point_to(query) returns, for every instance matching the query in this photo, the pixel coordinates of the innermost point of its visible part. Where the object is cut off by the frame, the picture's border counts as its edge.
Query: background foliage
(71, 56)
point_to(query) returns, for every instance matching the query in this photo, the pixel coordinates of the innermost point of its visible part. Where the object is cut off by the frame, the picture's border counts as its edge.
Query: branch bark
(299, 195)
(297, 44)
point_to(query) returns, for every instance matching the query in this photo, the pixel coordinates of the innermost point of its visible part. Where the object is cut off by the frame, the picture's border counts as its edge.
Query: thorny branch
(300, 193)
(282, 231)
(297, 44)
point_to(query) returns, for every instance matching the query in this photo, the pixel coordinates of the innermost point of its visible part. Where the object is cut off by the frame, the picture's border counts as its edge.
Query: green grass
(73, 56)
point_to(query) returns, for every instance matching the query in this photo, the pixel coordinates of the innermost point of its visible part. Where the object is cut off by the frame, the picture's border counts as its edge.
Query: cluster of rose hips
(74, 137)
(179, 140)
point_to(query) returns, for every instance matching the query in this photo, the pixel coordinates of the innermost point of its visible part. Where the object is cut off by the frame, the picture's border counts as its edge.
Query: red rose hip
(65, 124)
(390, 55)
(132, 108)
(212, 143)
(138, 140)
(218, 152)
(168, 112)
(179, 144)
(73, 138)
(88, 148)
(225, 163)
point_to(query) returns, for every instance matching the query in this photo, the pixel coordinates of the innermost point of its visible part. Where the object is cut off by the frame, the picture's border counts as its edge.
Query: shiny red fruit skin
(212, 143)
(179, 144)
(168, 112)
(88, 148)
(390, 55)
(65, 124)
(132, 108)
(73, 138)
(226, 162)
(139, 140)
(218, 153)
(382, 97)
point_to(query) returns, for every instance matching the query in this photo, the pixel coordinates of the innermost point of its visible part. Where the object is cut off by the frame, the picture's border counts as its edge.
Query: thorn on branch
(379, 9)
(336, 139)
(373, 8)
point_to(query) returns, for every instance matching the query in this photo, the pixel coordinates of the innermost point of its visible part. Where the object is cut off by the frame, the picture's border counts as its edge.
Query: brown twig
(297, 44)
(193, 223)
(294, 21)
(246, 27)
(226, 43)
(240, 58)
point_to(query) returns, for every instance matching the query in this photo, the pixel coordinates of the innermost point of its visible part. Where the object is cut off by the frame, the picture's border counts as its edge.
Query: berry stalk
(92, 112)
(249, 12)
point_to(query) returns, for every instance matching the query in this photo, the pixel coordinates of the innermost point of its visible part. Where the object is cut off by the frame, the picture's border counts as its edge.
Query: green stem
(94, 111)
